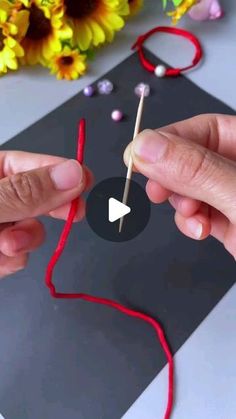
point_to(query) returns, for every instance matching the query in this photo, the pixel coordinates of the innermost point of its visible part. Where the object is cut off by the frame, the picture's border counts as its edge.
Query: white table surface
(205, 364)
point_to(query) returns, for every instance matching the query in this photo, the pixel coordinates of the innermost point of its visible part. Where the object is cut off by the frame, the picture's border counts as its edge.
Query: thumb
(187, 169)
(39, 191)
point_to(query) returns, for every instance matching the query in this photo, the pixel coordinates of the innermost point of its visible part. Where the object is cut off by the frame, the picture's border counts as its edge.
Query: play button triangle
(116, 210)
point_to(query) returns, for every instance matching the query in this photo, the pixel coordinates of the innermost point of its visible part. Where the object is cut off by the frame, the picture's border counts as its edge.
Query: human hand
(33, 185)
(193, 164)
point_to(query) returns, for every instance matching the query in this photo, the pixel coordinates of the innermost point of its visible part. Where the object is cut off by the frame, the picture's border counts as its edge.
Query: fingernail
(150, 146)
(67, 175)
(195, 227)
(21, 240)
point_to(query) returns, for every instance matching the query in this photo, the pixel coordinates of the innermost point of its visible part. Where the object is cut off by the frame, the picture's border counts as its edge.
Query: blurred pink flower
(206, 10)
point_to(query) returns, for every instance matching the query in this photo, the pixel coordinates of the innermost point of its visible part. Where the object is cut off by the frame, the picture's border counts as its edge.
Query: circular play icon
(110, 217)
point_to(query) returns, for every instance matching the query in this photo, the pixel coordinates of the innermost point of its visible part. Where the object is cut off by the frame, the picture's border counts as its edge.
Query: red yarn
(110, 303)
(170, 72)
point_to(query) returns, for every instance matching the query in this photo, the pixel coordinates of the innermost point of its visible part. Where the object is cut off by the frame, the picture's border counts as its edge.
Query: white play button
(116, 210)
(104, 206)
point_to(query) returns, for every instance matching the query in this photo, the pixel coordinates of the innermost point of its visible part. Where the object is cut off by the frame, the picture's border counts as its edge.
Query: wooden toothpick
(130, 165)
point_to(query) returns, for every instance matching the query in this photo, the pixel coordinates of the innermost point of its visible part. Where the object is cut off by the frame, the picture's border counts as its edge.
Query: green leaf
(177, 2)
(164, 4)
(90, 54)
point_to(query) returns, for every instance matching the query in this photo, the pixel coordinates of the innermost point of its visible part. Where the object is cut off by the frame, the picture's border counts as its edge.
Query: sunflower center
(39, 25)
(1, 40)
(80, 8)
(66, 60)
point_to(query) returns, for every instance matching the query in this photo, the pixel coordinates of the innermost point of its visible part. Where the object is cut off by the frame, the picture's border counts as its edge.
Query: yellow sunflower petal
(7, 53)
(10, 42)
(65, 32)
(12, 63)
(84, 36)
(3, 16)
(18, 50)
(12, 28)
(22, 22)
(123, 7)
(5, 5)
(98, 33)
(2, 63)
(26, 3)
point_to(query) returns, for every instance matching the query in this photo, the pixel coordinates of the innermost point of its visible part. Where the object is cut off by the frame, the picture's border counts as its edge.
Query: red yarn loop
(104, 301)
(170, 72)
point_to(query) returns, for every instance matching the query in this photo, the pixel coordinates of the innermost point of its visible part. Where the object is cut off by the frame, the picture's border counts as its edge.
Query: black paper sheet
(76, 360)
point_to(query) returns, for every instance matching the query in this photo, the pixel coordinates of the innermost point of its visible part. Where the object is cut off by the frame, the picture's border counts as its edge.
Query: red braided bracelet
(110, 303)
(161, 70)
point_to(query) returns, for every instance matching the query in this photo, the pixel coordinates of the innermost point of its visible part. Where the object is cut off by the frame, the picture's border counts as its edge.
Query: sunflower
(135, 6)
(94, 21)
(180, 10)
(69, 64)
(44, 32)
(10, 49)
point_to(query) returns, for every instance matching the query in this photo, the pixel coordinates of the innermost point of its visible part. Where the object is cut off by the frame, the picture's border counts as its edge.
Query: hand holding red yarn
(33, 185)
(193, 164)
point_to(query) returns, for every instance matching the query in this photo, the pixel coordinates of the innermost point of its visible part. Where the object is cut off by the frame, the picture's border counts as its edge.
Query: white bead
(160, 70)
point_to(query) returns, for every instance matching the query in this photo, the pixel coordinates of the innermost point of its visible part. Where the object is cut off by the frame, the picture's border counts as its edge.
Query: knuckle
(26, 189)
(193, 165)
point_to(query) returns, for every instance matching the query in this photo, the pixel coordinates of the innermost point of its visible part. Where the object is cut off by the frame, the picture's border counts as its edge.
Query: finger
(213, 131)
(197, 227)
(219, 225)
(13, 162)
(38, 191)
(184, 205)
(156, 193)
(89, 178)
(223, 231)
(201, 225)
(187, 169)
(230, 240)
(62, 212)
(126, 156)
(24, 237)
(11, 265)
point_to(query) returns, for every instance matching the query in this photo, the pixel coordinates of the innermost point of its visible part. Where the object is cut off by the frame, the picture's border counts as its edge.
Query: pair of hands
(191, 163)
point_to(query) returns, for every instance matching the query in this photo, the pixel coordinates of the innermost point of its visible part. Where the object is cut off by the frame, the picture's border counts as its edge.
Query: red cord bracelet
(104, 301)
(161, 70)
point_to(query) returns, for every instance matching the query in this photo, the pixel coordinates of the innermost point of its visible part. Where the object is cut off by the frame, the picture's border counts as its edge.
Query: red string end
(104, 301)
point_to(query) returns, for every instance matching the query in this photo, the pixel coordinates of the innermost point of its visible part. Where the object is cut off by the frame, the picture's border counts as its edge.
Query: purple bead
(117, 115)
(105, 87)
(139, 88)
(89, 91)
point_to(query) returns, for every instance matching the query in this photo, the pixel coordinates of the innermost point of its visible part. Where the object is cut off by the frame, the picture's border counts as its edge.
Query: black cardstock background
(75, 360)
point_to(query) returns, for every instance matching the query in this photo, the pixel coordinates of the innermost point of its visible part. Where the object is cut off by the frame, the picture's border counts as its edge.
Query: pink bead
(117, 115)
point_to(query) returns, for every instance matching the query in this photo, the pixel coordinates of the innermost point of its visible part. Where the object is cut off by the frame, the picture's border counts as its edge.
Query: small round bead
(160, 70)
(117, 115)
(139, 89)
(89, 91)
(105, 87)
